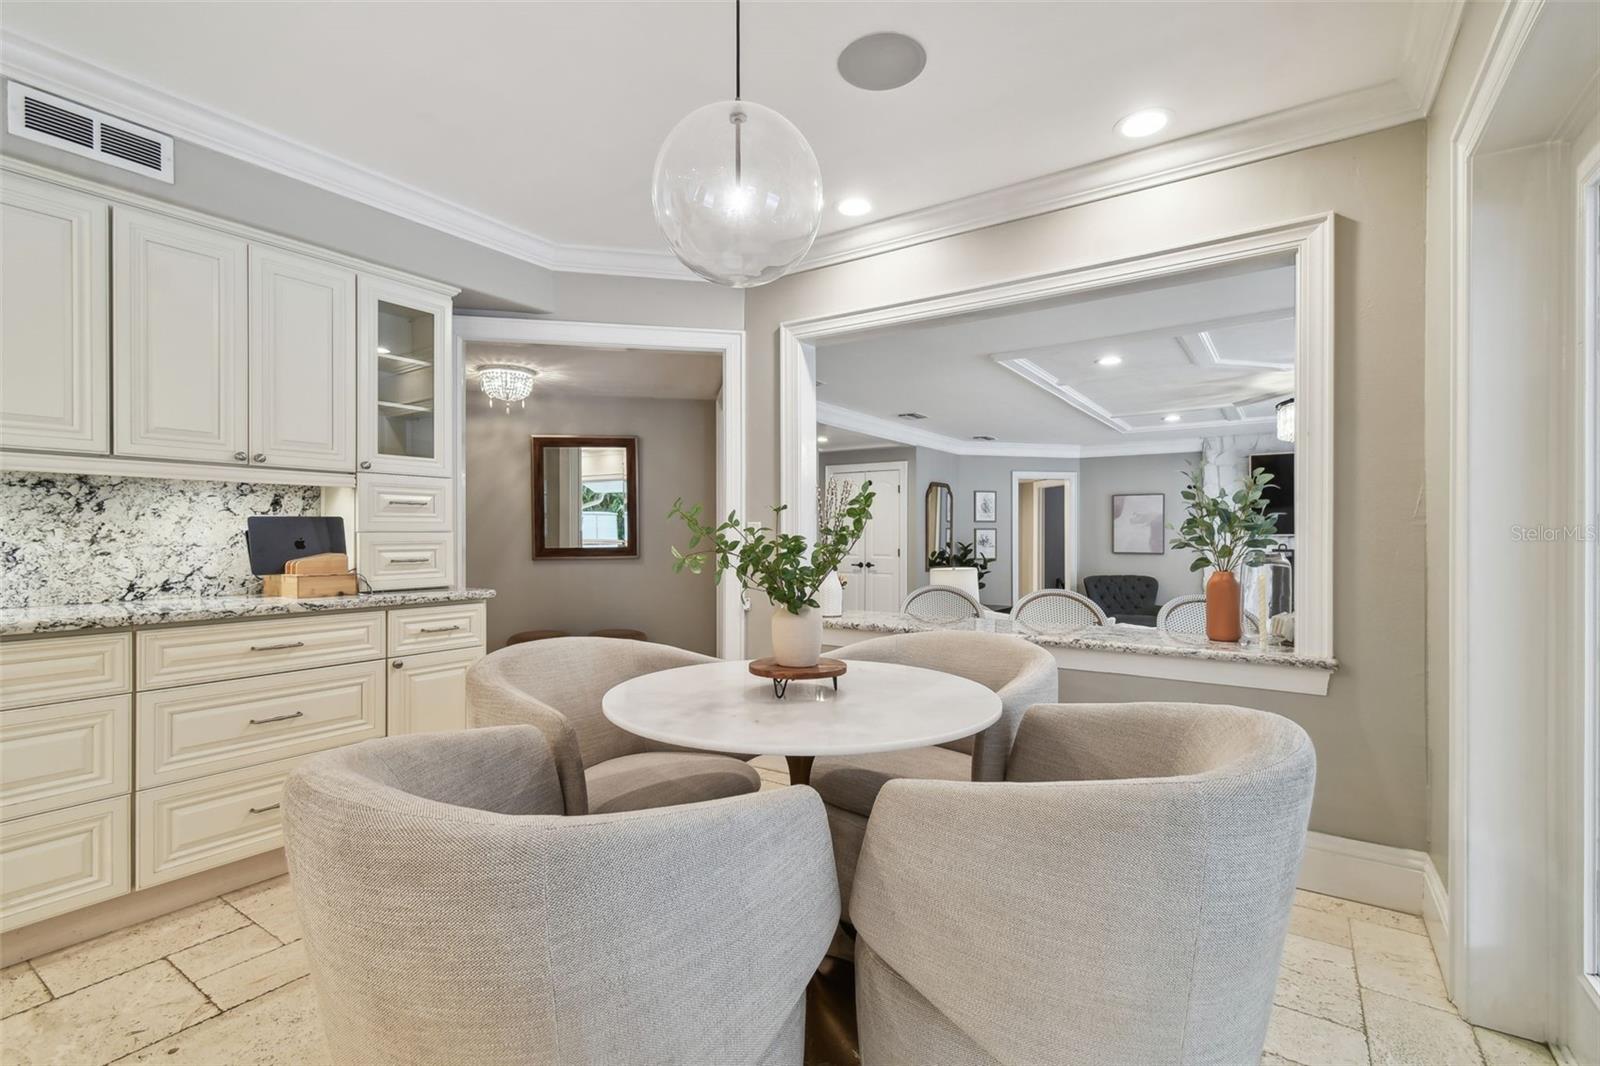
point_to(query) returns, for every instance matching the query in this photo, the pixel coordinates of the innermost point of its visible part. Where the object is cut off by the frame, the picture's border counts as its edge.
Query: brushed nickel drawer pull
(409, 503)
(264, 810)
(278, 718)
(440, 629)
(278, 647)
(408, 558)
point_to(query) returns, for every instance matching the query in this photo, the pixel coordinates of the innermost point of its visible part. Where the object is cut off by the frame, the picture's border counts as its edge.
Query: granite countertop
(166, 610)
(1130, 640)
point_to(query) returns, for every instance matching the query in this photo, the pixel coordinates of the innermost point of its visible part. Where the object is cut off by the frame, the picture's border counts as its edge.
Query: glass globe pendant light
(737, 191)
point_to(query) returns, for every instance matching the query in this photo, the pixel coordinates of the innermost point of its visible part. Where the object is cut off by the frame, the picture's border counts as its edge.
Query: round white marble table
(721, 706)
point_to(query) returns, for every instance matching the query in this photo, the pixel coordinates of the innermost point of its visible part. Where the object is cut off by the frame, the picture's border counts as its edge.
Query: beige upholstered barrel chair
(1021, 673)
(1122, 897)
(556, 686)
(453, 914)
(1058, 609)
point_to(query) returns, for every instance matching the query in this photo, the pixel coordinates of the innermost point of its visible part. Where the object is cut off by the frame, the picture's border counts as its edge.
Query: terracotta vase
(1222, 606)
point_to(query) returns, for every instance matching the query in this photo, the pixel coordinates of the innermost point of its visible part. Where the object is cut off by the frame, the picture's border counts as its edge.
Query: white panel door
(179, 340)
(55, 348)
(874, 573)
(428, 693)
(302, 362)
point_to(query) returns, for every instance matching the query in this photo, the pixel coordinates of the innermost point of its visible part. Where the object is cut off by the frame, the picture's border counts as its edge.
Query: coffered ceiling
(1135, 367)
(533, 127)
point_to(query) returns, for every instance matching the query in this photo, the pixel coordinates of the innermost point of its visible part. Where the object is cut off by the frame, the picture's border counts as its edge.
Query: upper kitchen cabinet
(302, 362)
(406, 413)
(55, 355)
(179, 340)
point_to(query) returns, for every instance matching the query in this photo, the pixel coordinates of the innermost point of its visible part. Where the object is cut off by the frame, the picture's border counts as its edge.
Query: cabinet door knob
(241, 456)
(366, 464)
(260, 458)
(397, 663)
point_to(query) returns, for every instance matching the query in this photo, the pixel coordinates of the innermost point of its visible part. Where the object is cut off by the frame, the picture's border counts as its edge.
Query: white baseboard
(1392, 878)
(1436, 916)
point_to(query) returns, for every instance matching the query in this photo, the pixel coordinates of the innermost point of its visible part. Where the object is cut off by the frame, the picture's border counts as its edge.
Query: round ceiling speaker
(882, 61)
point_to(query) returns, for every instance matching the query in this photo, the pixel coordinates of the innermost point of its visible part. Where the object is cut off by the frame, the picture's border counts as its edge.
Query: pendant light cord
(738, 43)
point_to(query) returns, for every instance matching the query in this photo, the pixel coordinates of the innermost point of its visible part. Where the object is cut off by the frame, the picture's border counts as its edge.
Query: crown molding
(46, 68)
(901, 433)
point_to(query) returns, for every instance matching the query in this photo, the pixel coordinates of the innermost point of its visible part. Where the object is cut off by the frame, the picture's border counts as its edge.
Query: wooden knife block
(313, 577)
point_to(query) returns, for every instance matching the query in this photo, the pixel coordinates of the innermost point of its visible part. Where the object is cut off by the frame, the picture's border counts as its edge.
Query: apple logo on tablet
(300, 542)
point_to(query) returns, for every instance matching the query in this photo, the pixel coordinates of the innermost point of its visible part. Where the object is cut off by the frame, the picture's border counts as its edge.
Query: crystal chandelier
(1286, 421)
(736, 190)
(506, 383)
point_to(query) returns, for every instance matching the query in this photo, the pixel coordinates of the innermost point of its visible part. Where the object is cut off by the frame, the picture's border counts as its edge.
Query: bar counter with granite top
(1097, 648)
(170, 610)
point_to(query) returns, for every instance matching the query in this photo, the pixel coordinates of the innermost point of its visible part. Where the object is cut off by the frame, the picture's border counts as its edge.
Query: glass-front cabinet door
(406, 416)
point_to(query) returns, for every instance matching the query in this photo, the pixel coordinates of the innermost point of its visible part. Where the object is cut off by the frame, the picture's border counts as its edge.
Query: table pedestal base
(800, 768)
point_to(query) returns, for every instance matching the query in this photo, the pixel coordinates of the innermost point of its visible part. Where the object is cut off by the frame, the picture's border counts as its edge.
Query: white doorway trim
(1070, 559)
(905, 508)
(1309, 240)
(730, 420)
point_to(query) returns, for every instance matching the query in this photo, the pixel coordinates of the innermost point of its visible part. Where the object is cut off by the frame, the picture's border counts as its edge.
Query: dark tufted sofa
(1129, 598)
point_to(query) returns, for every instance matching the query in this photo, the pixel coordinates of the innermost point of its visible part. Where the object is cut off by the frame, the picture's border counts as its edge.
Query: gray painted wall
(677, 457)
(1098, 480)
(1370, 730)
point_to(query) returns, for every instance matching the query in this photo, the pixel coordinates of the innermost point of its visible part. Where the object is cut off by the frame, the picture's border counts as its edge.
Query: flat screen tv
(1279, 493)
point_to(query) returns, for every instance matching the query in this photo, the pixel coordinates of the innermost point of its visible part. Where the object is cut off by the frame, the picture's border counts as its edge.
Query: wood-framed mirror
(939, 514)
(585, 497)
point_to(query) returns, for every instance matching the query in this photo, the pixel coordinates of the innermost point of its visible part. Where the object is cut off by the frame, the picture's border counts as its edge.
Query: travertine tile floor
(224, 983)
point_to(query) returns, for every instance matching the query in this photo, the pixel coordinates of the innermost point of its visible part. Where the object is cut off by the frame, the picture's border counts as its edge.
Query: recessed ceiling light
(822, 440)
(882, 61)
(1172, 418)
(383, 351)
(1144, 123)
(1109, 360)
(854, 206)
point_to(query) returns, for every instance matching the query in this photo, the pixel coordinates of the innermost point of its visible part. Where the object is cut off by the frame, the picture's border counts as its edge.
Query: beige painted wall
(677, 457)
(1472, 43)
(1370, 729)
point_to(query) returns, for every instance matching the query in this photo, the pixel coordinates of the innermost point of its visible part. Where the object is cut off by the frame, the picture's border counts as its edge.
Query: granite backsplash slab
(76, 538)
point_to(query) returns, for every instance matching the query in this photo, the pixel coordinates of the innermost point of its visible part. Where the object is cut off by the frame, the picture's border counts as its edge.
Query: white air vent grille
(71, 127)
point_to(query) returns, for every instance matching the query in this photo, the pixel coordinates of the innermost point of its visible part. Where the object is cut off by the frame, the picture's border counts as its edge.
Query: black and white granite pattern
(86, 539)
(1130, 640)
(155, 611)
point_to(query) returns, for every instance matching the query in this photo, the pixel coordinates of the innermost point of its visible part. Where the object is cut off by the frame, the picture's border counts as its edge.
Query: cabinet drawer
(65, 754)
(204, 729)
(60, 861)
(183, 829)
(406, 560)
(418, 629)
(55, 669)
(170, 657)
(392, 503)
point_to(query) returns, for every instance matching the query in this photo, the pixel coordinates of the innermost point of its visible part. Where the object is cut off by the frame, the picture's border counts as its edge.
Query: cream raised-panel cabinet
(302, 362)
(179, 340)
(55, 349)
(428, 692)
(405, 412)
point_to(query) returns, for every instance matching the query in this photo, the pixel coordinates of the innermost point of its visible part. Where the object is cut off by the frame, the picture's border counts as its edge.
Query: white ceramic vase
(830, 594)
(797, 638)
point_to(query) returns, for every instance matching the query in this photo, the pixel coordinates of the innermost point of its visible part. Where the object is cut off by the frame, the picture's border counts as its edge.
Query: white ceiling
(533, 126)
(844, 440)
(604, 372)
(1215, 348)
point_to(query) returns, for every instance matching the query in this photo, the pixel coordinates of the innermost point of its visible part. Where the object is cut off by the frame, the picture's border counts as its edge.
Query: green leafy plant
(781, 565)
(1226, 532)
(963, 555)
